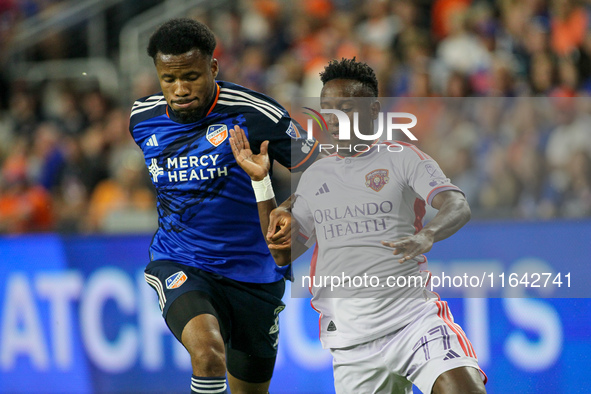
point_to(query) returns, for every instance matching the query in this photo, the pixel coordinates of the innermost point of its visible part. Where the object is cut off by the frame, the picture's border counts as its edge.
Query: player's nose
(332, 119)
(181, 89)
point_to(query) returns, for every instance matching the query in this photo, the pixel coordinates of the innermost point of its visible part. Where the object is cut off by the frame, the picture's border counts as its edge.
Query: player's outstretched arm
(257, 167)
(454, 212)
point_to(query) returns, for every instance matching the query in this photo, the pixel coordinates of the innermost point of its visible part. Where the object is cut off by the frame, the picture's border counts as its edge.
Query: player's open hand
(410, 247)
(256, 166)
(280, 229)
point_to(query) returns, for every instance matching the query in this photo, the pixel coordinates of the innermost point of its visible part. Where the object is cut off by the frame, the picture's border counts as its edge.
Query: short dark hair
(181, 35)
(351, 69)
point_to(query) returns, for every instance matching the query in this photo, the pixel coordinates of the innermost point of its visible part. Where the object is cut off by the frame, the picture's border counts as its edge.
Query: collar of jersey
(215, 101)
(360, 154)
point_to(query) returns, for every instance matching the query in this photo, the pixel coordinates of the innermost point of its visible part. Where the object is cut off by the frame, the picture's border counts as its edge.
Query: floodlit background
(77, 209)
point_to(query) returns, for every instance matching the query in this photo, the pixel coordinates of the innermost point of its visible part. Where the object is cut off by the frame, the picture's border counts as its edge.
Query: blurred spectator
(380, 26)
(542, 74)
(465, 176)
(73, 187)
(458, 85)
(577, 195)
(568, 78)
(123, 203)
(69, 113)
(571, 134)
(24, 112)
(500, 193)
(443, 14)
(569, 23)
(24, 206)
(462, 50)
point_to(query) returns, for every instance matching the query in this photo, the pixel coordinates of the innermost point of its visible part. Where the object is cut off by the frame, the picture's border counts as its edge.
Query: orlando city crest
(216, 134)
(377, 179)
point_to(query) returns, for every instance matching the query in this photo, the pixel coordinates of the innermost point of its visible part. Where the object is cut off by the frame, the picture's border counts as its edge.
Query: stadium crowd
(519, 147)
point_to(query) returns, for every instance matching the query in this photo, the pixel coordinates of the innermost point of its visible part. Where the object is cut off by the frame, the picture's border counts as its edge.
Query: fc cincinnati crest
(175, 281)
(292, 131)
(377, 179)
(216, 134)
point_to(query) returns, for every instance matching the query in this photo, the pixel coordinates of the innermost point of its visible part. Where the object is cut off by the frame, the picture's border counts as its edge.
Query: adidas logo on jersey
(451, 354)
(323, 189)
(331, 326)
(152, 141)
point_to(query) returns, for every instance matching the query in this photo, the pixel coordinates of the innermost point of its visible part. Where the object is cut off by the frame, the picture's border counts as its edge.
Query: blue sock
(209, 385)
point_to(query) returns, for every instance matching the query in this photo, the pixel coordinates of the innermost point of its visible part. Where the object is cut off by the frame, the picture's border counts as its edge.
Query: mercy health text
(185, 168)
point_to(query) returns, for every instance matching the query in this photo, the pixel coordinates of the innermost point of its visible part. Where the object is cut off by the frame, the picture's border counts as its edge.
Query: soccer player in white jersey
(356, 207)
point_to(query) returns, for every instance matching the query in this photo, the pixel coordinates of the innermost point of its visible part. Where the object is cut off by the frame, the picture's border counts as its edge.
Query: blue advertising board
(77, 316)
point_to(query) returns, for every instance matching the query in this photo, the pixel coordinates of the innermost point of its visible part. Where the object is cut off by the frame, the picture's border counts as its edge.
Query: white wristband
(263, 190)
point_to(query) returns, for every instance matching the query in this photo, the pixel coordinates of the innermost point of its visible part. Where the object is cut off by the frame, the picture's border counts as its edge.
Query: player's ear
(214, 67)
(376, 107)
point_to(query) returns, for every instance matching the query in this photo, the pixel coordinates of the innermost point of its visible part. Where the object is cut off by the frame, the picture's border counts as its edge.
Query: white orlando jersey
(348, 205)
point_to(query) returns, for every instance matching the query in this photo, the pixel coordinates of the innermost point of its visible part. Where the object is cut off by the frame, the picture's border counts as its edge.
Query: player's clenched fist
(281, 227)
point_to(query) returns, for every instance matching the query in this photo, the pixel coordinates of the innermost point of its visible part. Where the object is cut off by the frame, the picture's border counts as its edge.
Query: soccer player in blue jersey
(218, 286)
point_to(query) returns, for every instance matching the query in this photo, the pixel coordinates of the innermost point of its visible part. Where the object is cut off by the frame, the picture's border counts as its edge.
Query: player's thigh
(254, 336)
(461, 380)
(186, 297)
(362, 369)
(202, 338)
(432, 345)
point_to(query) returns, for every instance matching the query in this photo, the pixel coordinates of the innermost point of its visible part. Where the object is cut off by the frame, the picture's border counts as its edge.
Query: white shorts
(416, 354)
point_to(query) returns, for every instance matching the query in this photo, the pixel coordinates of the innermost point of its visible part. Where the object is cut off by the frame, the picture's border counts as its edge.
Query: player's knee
(208, 359)
(203, 340)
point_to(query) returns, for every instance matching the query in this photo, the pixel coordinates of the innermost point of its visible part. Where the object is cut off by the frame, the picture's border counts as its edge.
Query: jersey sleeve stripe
(142, 109)
(236, 98)
(249, 104)
(149, 101)
(262, 107)
(305, 158)
(440, 189)
(138, 105)
(254, 99)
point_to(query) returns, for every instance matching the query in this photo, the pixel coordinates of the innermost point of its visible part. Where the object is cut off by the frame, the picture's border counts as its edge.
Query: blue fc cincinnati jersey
(207, 212)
